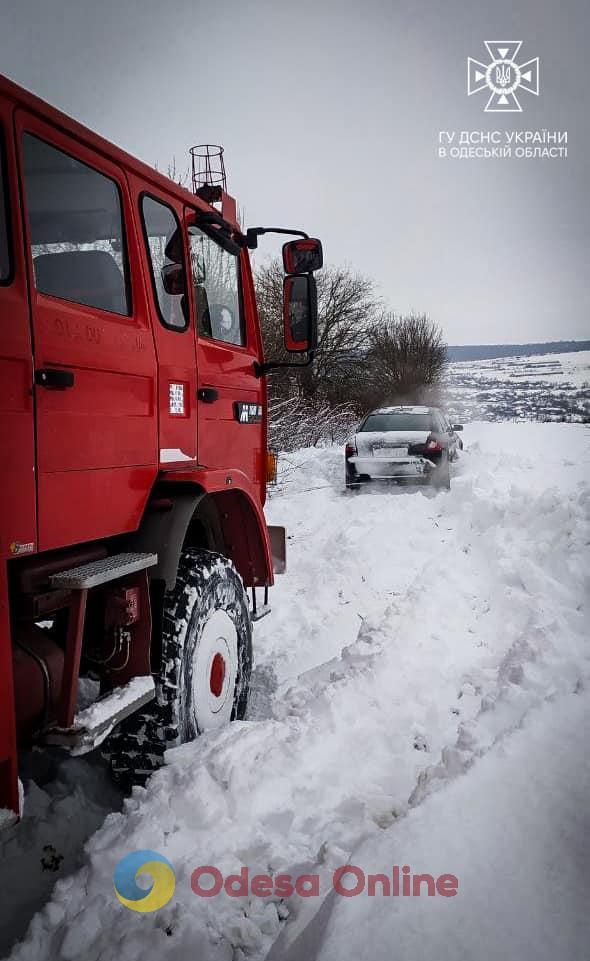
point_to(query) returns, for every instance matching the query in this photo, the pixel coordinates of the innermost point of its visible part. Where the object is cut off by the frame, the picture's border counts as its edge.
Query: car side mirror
(300, 313)
(173, 278)
(457, 427)
(302, 256)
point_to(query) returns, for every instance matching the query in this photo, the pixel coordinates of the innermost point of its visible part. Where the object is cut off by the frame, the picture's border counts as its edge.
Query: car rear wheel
(205, 669)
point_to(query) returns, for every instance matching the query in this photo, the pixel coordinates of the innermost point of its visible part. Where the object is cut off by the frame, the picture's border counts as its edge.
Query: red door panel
(112, 417)
(17, 445)
(224, 440)
(177, 375)
(111, 502)
(97, 438)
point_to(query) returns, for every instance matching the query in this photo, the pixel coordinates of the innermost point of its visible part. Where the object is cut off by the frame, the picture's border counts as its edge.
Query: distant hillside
(488, 351)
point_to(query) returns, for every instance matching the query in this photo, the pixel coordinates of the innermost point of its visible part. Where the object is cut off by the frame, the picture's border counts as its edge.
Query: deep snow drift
(413, 635)
(522, 868)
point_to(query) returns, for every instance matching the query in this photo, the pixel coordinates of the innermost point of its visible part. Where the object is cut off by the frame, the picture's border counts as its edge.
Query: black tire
(206, 583)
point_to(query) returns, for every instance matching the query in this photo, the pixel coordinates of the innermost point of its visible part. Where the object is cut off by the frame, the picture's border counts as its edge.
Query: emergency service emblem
(503, 76)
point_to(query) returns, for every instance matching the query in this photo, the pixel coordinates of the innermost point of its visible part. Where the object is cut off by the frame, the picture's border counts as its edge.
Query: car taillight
(433, 445)
(349, 450)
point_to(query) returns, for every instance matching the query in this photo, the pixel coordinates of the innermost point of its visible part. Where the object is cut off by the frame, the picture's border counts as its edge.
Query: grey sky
(330, 113)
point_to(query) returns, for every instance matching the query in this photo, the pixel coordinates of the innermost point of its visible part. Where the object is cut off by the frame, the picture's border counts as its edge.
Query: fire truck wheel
(205, 667)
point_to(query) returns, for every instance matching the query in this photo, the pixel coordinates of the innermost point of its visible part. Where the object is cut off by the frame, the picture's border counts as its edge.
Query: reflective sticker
(176, 398)
(248, 413)
(17, 548)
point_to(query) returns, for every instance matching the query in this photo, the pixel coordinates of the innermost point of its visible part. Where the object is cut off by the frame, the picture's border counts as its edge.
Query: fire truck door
(230, 394)
(95, 369)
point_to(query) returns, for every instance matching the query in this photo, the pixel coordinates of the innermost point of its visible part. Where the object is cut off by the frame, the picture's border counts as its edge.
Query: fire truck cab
(133, 446)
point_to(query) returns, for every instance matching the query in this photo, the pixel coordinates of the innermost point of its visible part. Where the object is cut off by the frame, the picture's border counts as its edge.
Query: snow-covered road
(412, 635)
(514, 832)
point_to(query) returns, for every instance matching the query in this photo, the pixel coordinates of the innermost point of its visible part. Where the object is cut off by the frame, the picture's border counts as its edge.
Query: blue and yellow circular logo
(129, 892)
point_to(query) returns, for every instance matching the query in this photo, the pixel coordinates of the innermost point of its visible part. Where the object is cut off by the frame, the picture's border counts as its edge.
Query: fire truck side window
(4, 248)
(164, 242)
(76, 229)
(216, 279)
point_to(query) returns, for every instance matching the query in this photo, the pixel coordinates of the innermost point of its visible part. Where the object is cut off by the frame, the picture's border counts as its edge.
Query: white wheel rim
(215, 668)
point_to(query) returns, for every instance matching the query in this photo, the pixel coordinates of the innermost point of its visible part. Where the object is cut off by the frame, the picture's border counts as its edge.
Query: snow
(97, 716)
(521, 857)
(540, 387)
(571, 367)
(171, 455)
(420, 649)
(100, 712)
(404, 407)
(65, 804)
(7, 817)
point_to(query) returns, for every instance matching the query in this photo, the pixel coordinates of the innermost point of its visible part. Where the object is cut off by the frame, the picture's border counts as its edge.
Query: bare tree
(268, 281)
(173, 172)
(348, 307)
(296, 422)
(365, 358)
(407, 358)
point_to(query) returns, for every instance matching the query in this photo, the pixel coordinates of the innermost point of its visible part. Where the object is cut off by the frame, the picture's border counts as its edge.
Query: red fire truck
(134, 462)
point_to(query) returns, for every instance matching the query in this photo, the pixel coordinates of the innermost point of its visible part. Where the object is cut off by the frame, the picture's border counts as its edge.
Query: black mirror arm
(214, 226)
(211, 218)
(262, 369)
(253, 233)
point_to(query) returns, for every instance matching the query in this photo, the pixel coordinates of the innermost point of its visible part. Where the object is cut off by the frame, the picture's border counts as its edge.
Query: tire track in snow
(533, 668)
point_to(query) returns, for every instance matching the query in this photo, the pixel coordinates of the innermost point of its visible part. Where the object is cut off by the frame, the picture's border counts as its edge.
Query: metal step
(94, 724)
(258, 611)
(261, 611)
(102, 571)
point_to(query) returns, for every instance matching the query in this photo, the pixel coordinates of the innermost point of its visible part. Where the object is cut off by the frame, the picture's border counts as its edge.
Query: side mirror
(173, 278)
(457, 427)
(302, 256)
(300, 313)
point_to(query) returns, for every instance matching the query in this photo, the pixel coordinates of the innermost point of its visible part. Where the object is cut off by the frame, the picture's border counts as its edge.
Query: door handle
(54, 379)
(208, 395)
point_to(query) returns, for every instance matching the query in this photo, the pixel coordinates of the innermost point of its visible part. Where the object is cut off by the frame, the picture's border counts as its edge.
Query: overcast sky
(329, 114)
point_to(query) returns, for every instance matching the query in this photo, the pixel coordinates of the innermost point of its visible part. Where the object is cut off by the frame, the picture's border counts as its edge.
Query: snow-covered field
(420, 698)
(548, 387)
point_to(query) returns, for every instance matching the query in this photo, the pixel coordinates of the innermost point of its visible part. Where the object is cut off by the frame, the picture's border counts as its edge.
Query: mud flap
(278, 547)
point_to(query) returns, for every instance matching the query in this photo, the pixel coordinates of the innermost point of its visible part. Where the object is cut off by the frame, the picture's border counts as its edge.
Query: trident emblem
(503, 76)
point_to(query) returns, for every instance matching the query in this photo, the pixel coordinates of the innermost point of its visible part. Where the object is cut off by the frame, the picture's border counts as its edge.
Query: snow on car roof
(403, 410)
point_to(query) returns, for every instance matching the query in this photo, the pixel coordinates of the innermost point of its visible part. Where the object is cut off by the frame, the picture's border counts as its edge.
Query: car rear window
(383, 422)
